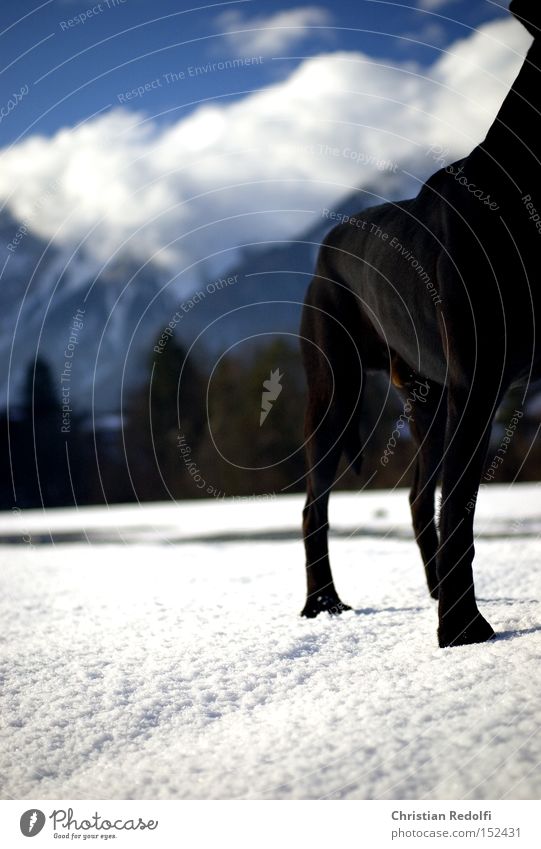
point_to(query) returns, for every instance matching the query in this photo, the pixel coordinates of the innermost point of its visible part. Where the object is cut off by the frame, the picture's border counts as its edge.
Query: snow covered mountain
(57, 302)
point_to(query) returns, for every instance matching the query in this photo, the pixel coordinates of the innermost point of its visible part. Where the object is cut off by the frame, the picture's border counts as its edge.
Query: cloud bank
(273, 33)
(259, 168)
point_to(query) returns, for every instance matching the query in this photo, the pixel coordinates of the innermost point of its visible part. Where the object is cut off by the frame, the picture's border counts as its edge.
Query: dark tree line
(35, 457)
(194, 430)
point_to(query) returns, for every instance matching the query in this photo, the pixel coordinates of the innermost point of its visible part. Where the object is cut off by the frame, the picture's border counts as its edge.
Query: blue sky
(114, 144)
(75, 71)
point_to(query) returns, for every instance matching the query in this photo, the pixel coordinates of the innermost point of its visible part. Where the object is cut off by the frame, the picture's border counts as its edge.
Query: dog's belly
(406, 327)
(389, 260)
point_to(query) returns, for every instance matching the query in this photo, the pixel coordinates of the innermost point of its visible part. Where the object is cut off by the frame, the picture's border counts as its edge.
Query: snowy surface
(157, 652)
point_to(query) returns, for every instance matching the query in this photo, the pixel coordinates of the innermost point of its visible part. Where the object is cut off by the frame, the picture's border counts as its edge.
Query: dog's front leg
(470, 413)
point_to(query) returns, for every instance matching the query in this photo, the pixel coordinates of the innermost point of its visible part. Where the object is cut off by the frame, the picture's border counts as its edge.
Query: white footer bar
(272, 824)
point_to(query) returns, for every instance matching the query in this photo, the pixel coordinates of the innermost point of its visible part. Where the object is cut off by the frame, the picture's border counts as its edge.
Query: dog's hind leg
(428, 419)
(329, 342)
(326, 422)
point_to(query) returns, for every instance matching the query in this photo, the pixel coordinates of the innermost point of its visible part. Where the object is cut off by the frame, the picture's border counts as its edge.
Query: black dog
(442, 291)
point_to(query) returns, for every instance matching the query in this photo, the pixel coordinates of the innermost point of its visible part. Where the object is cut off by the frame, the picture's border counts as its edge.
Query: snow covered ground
(157, 652)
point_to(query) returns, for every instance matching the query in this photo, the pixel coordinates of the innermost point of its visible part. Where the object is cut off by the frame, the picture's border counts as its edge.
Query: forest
(192, 429)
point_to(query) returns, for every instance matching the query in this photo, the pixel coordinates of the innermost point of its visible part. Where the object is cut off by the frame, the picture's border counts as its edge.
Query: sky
(183, 134)
(77, 66)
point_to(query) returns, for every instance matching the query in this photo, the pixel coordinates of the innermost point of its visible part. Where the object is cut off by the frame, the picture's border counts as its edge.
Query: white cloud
(431, 33)
(245, 164)
(434, 5)
(267, 35)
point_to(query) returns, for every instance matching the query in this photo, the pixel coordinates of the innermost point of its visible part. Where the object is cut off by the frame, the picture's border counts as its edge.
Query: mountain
(55, 303)
(264, 293)
(104, 321)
